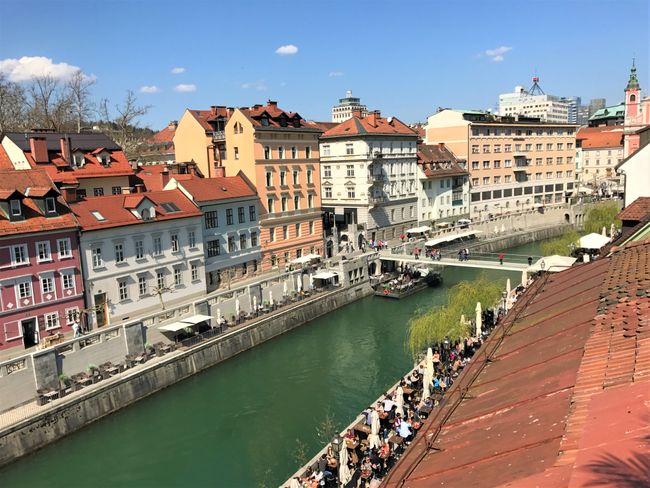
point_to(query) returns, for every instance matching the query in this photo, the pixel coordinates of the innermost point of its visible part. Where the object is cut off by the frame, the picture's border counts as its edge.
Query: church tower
(633, 116)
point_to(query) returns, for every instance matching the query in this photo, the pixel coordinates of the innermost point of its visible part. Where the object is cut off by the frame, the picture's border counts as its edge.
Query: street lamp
(503, 300)
(336, 444)
(445, 348)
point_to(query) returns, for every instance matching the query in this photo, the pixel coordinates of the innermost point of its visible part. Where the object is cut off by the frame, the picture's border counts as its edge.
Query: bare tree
(12, 105)
(48, 104)
(123, 127)
(78, 88)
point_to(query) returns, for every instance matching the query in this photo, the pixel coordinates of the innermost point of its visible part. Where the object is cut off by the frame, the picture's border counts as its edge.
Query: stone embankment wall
(89, 405)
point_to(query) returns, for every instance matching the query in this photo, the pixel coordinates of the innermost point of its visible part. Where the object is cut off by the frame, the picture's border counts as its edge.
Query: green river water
(237, 424)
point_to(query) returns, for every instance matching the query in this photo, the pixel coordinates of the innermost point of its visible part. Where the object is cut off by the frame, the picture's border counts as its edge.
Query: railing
(218, 135)
(377, 200)
(376, 178)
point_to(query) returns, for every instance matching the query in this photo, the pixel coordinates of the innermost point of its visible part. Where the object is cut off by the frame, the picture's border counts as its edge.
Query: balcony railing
(377, 200)
(218, 135)
(376, 179)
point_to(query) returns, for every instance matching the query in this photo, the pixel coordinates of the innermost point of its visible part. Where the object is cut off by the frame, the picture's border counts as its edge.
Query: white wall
(636, 172)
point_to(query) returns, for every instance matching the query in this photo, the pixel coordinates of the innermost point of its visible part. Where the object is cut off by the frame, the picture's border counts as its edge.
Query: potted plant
(149, 349)
(93, 371)
(64, 384)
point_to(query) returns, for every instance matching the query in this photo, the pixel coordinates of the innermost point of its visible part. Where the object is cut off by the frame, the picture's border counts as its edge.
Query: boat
(397, 288)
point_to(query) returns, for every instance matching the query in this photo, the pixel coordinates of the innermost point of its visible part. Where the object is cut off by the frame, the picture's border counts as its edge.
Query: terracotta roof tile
(372, 124)
(208, 189)
(601, 137)
(438, 161)
(636, 210)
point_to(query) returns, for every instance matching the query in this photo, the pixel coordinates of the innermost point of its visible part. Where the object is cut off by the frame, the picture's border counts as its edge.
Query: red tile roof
(203, 117)
(372, 124)
(208, 189)
(564, 395)
(5, 162)
(116, 214)
(601, 137)
(151, 176)
(277, 118)
(31, 185)
(165, 136)
(439, 160)
(636, 210)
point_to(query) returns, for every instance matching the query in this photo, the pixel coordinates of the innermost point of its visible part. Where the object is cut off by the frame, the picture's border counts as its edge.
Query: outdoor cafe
(189, 327)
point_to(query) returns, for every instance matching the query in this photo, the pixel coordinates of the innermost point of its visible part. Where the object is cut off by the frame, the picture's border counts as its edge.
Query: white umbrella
(299, 283)
(428, 375)
(496, 229)
(373, 439)
(237, 307)
(612, 230)
(271, 297)
(284, 289)
(399, 400)
(604, 232)
(311, 280)
(255, 303)
(478, 320)
(524, 278)
(344, 471)
(503, 228)
(219, 316)
(294, 483)
(508, 292)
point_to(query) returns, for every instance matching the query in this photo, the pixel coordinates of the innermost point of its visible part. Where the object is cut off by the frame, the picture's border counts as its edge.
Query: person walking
(76, 328)
(501, 256)
(530, 260)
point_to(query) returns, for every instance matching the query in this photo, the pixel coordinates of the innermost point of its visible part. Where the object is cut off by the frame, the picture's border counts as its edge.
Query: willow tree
(603, 215)
(562, 245)
(433, 325)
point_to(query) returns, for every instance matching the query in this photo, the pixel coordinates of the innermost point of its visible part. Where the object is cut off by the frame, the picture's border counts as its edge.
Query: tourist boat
(395, 289)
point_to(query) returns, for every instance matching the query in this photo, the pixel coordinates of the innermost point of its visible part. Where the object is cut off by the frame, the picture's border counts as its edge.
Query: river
(240, 423)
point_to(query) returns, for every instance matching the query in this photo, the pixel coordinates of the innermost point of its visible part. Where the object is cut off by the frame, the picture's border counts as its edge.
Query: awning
(449, 238)
(593, 241)
(324, 275)
(418, 230)
(305, 259)
(175, 327)
(196, 319)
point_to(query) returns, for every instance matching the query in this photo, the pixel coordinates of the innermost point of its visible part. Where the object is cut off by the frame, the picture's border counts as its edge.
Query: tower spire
(633, 82)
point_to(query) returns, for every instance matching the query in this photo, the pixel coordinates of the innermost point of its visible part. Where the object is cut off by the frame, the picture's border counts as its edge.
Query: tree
(562, 245)
(48, 104)
(123, 127)
(78, 88)
(602, 215)
(12, 105)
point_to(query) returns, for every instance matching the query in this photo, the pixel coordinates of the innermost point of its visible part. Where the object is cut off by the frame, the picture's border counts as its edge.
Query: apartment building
(346, 106)
(535, 103)
(599, 151)
(514, 162)
(41, 286)
(369, 180)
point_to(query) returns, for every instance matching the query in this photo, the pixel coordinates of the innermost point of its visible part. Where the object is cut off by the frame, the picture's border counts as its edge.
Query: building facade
(346, 107)
(139, 252)
(230, 226)
(514, 162)
(637, 113)
(635, 169)
(535, 103)
(443, 193)
(369, 180)
(598, 151)
(41, 286)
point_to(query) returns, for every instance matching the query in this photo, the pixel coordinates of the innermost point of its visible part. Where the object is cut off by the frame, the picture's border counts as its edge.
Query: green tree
(601, 216)
(562, 245)
(431, 326)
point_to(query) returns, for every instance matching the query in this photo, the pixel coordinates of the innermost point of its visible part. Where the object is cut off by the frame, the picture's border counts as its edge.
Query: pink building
(41, 288)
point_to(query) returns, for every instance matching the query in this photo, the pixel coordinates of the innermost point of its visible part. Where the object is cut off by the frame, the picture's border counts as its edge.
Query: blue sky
(405, 57)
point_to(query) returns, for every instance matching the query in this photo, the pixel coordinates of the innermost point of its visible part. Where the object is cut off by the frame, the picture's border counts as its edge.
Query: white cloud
(496, 55)
(287, 50)
(259, 85)
(28, 67)
(185, 88)
(149, 89)
(335, 73)
(178, 71)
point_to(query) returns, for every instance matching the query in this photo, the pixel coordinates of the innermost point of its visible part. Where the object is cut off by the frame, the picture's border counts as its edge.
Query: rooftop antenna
(536, 89)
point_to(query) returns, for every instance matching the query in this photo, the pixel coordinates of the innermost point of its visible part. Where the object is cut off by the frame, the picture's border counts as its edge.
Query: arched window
(632, 98)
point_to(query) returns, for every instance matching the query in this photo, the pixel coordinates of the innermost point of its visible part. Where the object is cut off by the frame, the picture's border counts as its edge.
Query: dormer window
(283, 120)
(50, 205)
(264, 121)
(78, 159)
(16, 208)
(148, 213)
(296, 121)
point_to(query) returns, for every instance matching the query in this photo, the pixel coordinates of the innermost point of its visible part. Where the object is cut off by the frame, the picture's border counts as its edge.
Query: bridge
(512, 262)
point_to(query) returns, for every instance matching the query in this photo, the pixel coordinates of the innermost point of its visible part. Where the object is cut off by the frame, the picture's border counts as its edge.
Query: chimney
(65, 149)
(373, 117)
(357, 113)
(38, 147)
(138, 188)
(173, 125)
(441, 146)
(164, 176)
(272, 103)
(229, 111)
(213, 109)
(69, 193)
(219, 171)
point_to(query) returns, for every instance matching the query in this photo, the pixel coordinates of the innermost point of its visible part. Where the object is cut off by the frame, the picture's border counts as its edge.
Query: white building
(343, 111)
(598, 151)
(139, 250)
(443, 193)
(231, 233)
(369, 180)
(635, 170)
(535, 103)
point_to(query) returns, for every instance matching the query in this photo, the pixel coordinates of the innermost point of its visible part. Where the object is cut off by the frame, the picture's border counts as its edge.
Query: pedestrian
(402, 236)
(501, 256)
(76, 328)
(466, 254)
(530, 261)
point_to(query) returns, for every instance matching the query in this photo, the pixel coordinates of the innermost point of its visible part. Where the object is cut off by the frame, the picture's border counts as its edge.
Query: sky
(403, 57)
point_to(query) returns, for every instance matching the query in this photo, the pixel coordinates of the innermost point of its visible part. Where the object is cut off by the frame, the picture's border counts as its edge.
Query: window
(139, 249)
(538, 147)
(16, 209)
(308, 152)
(285, 232)
(175, 244)
(486, 165)
(507, 178)
(229, 216)
(529, 147)
(178, 277)
(191, 237)
(98, 192)
(309, 177)
(294, 152)
(560, 146)
(558, 174)
(47, 284)
(43, 251)
(296, 202)
(269, 178)
(349, 170)
(517, 147)
(497, 164)
(549, 160)
(195, 271)
(497, 180)
(283, 178)
(475, 165)
(508, 147)
(474, 147)
(241, 215)
(327, 171)
(71, 315)
(253, 238)
(486, 148)
(297, 230)
(326, 150)
(475, 181)
(119, 253)
(116, 190)
(497, 148)
(160, 280)
(211, 219)
(267, 153)
(296, 177)
(242, 241)
(236, 152)
(281, 152)
(549, 146)
(486, 180)
(270, 204)
(67, 279)
(50, 205)
(231, 244)
(349, 148)
(64, 248)
(122, 290)
(311, 227)
(328, 192)
(559, 160)
(271, 234)
(97, 257)
(287, 256)
(569, 174)
(214, 249)
(25, 289)
(157, 246)
(51, 320)
(142, 285)
(310, 201)
(569, 145)
(351, 193)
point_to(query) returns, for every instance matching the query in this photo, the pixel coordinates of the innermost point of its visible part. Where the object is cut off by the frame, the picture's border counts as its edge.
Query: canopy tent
(175, 326)
(593, 241)
(196, 319)
(418, 230)
(449, 238)
(324, 275)
(305, 259)
(553, 263)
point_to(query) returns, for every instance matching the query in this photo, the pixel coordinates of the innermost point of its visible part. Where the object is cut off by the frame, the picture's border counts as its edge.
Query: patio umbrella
(478, 320)
(524, 278)
(503, 228)
(508, 291)
(299, 283)
(344, 471)
(612, 230)
(271, 297)
(255, 303)
(427, 378)
(294, 483)
(374, 439)
(237, 307)
(604, 232)
(399, 400)
(284, 289)
(496, 229)
(218, 314)
(311, 280)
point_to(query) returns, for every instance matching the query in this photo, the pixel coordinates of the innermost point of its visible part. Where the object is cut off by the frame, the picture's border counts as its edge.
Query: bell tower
(633, 116)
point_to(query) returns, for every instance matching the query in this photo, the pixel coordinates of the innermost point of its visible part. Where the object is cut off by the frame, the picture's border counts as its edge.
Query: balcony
(519, 154)
(376, 179)
(521, 164)
(218, 136)
(376, 201)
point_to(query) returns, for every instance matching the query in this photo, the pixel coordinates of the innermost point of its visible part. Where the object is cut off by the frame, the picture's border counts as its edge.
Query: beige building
(600, 150)
(514, 162)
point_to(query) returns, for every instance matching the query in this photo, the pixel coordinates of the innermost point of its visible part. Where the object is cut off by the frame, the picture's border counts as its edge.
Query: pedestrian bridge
(478, 261)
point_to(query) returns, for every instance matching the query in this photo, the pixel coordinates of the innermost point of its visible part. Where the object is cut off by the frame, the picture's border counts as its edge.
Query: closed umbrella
(311, 281)
(524, 278)
(496, 229)
(612, 230)
(237, 308)
(344, 472)
(255, 303)
(284, 289)
(604, 232)
(508, 291)
(503, 228)
(271, 297)
(399, 400)
(478, 320)
(294, 483)
(299, 283)
(375, 426)
(427, 378)
(219, 316)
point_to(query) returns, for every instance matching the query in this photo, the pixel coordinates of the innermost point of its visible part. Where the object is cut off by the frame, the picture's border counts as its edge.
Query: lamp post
(504, 302)
(445, 348)
(336, 445)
